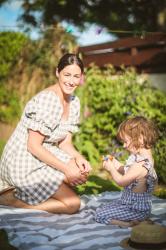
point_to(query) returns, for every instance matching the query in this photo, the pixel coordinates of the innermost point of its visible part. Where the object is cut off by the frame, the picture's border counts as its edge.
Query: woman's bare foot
(7, 198)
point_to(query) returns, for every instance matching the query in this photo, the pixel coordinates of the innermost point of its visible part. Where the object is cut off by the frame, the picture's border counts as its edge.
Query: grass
(96, 185)
(160, 191)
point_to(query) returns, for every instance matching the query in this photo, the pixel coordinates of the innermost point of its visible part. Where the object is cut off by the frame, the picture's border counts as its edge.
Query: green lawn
(96, 185)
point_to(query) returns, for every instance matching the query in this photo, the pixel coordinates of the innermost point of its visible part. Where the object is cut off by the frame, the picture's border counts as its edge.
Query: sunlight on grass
(96, 185)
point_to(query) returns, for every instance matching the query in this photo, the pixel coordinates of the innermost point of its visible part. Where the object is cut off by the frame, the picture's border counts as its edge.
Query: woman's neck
(64, 97)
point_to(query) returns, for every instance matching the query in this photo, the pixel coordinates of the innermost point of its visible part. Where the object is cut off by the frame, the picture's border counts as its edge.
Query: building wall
(157, 80)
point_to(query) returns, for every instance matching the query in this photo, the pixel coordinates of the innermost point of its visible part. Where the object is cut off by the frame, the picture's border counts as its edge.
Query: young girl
(137, 176)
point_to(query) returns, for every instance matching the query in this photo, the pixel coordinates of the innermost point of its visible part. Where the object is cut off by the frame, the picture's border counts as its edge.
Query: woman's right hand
(74, 175)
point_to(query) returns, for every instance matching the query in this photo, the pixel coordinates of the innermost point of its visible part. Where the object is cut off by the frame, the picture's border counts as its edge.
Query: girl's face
(127, 144)
(69, 78)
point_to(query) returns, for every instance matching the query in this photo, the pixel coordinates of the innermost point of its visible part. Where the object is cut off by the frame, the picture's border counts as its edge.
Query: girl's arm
(68, 147)
(135, 172)
(118, 165)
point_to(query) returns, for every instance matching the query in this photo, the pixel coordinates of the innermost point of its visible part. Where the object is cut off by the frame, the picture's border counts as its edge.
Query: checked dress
(131, 205)
(33, 180)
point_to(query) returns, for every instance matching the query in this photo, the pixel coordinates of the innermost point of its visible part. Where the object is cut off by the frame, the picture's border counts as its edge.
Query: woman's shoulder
(45, 98)
(46, 93)
(44, 101)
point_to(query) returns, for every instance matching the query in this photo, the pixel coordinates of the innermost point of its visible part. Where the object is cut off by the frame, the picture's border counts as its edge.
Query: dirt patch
(5, 131)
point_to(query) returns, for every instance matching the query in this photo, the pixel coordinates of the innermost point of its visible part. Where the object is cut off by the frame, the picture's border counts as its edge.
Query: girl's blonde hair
(136, 128)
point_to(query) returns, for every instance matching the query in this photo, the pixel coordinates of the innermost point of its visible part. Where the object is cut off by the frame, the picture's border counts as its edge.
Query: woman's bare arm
(35, 147)
(68, 147)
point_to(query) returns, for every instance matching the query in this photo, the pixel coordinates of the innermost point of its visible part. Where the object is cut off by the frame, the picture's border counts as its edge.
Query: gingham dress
(34, 181)
(131, 206)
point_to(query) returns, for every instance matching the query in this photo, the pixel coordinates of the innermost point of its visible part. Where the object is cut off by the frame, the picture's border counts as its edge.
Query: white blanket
(37, 230)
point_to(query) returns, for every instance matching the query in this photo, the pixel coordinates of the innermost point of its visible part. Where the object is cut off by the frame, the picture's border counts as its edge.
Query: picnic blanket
(38, 230)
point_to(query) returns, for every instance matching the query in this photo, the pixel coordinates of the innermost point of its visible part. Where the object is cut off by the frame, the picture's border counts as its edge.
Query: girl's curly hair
(136, 128)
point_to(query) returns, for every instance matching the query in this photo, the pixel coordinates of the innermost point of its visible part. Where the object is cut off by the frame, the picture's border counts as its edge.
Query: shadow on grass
(96, 185)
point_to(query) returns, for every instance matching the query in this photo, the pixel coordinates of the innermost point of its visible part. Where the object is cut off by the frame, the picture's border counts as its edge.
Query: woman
(39, 163)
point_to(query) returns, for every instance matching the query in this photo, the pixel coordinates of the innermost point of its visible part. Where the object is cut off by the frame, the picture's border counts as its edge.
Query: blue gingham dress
(131, 206)
(34, 181)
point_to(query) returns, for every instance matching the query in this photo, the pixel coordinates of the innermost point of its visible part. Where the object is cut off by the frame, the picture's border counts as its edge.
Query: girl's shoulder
(146, 163)
(136, 158)
(131, 159)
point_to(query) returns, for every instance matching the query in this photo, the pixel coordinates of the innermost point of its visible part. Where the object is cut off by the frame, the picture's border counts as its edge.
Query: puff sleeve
(43, 112)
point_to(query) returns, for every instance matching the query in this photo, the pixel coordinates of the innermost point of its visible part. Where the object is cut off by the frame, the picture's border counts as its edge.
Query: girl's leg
(64, 201)
(118, 215)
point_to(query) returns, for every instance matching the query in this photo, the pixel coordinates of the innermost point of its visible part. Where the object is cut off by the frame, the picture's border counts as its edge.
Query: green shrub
(11, 44)
(10, 104)
(107, 99)
(2, 144)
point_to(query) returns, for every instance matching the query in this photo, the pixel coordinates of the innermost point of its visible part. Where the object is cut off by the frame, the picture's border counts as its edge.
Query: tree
(136, 16)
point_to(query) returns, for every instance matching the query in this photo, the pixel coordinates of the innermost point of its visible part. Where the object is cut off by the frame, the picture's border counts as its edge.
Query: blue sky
(10, 12)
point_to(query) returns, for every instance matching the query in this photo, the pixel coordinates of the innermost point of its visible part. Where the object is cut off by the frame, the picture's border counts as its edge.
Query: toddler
(137, 176)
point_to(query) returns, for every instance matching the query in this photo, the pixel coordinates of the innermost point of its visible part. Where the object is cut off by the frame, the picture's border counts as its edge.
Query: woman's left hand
(83, 164)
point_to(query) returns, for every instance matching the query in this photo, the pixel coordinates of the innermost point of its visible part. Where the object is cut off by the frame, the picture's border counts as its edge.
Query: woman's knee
(73, 205)
(69, 198)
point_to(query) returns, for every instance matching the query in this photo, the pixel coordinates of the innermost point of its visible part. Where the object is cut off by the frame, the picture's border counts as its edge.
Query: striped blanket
(38, 230)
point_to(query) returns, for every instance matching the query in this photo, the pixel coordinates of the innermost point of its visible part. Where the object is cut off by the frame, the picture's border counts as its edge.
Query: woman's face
(69, 78)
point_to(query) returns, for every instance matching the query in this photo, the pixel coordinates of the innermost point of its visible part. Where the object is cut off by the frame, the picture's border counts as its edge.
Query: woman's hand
(83, 165)
(74, 175)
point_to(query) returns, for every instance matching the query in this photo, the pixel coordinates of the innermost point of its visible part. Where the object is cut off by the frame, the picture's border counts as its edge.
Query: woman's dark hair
(69, 59)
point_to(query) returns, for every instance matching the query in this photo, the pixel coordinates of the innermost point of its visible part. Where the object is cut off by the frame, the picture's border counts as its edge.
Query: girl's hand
(108, 164)
(83, 164)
